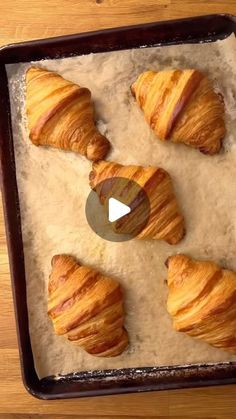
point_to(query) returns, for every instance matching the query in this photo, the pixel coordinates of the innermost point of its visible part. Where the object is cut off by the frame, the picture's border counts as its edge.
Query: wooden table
(29, 19)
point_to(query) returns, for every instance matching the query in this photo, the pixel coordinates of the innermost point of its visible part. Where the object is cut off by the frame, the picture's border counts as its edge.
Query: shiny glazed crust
(86, 307)
(182, 106)
(60, 114)
(165, 220)
(202, 301)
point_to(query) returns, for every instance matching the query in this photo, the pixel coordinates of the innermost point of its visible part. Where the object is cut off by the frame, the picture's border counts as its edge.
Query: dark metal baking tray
(91, 383)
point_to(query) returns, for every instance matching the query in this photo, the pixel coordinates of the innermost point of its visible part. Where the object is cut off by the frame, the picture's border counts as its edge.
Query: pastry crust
(165, 222)
(202, 301)
(182, 106)
(60, 114)
(86, 307)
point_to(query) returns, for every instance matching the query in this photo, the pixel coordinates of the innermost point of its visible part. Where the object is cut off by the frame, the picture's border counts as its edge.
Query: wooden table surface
(29, 19)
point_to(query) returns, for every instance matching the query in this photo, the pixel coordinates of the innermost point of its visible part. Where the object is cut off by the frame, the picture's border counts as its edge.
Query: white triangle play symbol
(116, 209)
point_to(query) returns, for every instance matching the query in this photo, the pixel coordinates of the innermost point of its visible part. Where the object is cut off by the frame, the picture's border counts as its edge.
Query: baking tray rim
(6, 50)
(40, 388)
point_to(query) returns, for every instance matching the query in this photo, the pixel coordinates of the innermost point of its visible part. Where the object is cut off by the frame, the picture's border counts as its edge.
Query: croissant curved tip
(175, 239)
(93, 174)
(178, 257)
(55, 259)
(125, 340)
(32, 70)
(214, 150)
(98, 148)
(118, 348)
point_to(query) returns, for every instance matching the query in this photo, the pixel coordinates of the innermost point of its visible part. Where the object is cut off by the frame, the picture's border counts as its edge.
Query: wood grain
(28, 19)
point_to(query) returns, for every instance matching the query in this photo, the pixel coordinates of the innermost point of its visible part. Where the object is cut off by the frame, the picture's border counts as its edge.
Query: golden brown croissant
(165, 221)
(202, 301)
(86, 307)
(60, 114)
(182, 106)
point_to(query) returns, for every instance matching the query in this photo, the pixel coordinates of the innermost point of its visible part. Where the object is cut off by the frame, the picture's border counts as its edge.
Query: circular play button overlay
(117, 209)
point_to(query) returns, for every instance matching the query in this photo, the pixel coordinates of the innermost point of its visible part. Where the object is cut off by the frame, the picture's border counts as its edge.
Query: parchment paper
(53, 187)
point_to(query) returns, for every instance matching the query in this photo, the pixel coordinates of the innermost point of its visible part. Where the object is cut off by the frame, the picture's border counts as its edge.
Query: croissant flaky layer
(60, 114)
(182, 106)
(165, 222)
(202, 301)
(86, 307)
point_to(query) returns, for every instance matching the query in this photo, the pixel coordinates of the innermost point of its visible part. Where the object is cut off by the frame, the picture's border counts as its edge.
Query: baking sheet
(53, 187)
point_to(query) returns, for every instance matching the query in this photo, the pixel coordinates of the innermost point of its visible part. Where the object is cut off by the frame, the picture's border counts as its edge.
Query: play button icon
(117, 209)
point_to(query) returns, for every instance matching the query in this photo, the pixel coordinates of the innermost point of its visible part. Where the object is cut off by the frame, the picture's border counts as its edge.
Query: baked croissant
(60, 114)
(202, 301)
(164, 220)
(86, 307)
(182, 106)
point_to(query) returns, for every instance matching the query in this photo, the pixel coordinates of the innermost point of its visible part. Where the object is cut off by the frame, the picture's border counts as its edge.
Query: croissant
(86, 307)
(60, 114)
(182, 106)
(202, 301)
(165, 221)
